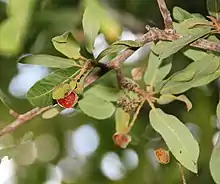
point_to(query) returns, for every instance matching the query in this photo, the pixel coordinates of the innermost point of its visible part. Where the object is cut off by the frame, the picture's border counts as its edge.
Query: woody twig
(153, 34)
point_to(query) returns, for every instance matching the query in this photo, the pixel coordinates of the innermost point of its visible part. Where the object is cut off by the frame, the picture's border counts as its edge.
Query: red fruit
(69, 100)
(162, 156)
(121, 140)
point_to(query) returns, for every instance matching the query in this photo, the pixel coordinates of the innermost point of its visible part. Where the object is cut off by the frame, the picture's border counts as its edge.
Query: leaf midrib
(157, 114)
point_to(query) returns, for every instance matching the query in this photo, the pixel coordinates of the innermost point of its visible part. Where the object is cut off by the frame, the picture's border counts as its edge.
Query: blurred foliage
(50, 18)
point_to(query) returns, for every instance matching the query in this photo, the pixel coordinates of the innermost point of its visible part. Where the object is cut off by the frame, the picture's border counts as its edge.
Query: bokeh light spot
(71, 168)
(26, 77)
(26, 153)
(130, 159)
(47, 147)
(112, 167)
(85, 140)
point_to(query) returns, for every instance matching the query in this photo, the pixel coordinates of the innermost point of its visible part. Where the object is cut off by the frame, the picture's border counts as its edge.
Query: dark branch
(166, 14)
(154, 34)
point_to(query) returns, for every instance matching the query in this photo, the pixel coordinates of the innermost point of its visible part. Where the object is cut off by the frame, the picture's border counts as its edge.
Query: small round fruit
(69, 100)
(162, 156)
(121, 140)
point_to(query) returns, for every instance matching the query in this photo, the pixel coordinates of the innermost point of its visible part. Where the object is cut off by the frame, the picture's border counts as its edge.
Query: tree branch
(166, 14)
(153, 34)
(21, 119)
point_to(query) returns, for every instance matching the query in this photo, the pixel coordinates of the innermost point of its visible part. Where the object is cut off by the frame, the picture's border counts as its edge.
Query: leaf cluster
(125, 100)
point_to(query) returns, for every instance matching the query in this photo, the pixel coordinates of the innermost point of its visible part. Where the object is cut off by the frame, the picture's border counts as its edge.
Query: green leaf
(152, 68)
(215, 157)
(66, 44)
(112, 49)
(204, 66)
(14, 28)
(79, 88)
(193, 53)
(51, 113)
(73, 84)
(195, 24)
(184, 75)
(155, 72)
(175, 87)
(184, 99)
(177, 137)
(122, 119)
(5, 100)
(197, 73)
(40, 93)
(91, 23)
(107, 93)
(96, 107)
(198, 15)
(188, 26)
(163, 71)
(213, 7)
(218, 110)
(206, 79)
(215, 162)
(180, 87)
(110, 27)
(14, 7)
(170, 48)
(10, 40)
(180, 14)
(60, 91)
(167, 98)
(129, 43)
(49, 61)
(213, 38)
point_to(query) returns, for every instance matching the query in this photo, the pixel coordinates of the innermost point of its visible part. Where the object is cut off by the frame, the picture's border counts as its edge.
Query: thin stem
(135, 115)
(166, 14)
(182, 174)
(13, 113)
(154, 98)
(21, 119)
(150, 103)
(119, 76)
(83, 58)
(85, 70)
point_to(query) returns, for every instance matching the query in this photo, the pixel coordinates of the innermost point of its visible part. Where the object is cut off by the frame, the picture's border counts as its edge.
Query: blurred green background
(73, 148)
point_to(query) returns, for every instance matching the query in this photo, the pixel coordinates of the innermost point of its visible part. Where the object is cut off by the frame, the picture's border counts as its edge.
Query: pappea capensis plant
(79, 80)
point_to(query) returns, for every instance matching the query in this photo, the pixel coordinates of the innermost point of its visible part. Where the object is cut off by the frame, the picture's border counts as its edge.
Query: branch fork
(153, 34)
